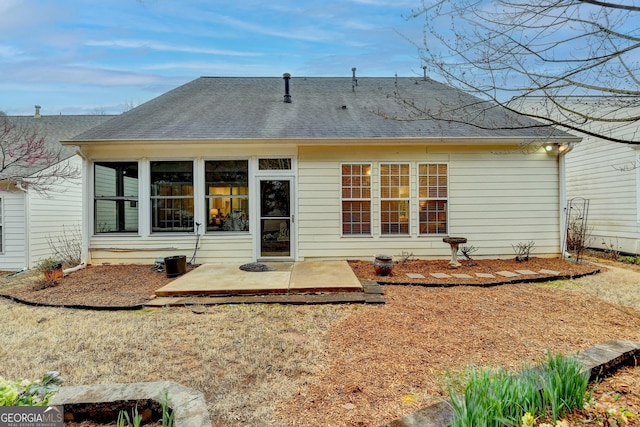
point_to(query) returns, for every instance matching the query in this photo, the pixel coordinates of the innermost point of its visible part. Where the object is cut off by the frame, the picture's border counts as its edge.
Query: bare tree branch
(506, 51)
(27, 161)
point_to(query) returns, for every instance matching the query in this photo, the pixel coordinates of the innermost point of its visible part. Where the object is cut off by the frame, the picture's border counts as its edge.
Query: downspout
(84, 256)
(562, 178)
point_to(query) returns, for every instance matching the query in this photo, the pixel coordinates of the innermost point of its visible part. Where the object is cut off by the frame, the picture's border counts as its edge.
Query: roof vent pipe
(424, 73)
(287, 96)
(354, 81)
(37, 114)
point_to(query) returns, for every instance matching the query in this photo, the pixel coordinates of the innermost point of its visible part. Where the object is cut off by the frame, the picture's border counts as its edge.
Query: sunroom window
(227, 196)
(115, 197)
(356, 199)
(172, 196)
(433, 193)
(394, 198)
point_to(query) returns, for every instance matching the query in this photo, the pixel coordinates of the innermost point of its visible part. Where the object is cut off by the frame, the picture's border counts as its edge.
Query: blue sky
(103, 56)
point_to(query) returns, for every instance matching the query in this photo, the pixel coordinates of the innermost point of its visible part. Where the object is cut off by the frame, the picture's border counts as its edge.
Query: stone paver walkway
(463, 276)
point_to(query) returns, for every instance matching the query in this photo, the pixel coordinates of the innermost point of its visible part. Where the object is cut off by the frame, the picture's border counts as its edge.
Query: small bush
(29, 393)
(523, 250)
(67, 247)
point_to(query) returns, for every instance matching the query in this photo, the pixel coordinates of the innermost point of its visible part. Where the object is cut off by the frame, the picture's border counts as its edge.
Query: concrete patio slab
(440, 275)
(323, 276)
(415, 276)
(485, 275)
(461, 276)
(287, 277)
(226, 279)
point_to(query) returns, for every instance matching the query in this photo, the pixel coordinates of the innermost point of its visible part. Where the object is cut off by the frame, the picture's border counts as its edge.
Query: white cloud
(144, 44)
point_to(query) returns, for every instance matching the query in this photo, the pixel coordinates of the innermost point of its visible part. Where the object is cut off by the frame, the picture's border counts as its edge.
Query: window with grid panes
(115, 188)
(356, 199)
(227, 197)
(172, 196)
(433, 194)
(394, 198)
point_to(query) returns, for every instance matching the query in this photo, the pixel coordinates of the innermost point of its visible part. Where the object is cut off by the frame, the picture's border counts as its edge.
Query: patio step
(371, 297)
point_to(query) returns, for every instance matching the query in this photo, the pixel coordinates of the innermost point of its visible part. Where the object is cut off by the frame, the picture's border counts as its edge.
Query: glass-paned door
(276, 217)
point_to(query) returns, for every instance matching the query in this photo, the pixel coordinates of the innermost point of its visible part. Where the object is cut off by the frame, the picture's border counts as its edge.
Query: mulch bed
(133, 285)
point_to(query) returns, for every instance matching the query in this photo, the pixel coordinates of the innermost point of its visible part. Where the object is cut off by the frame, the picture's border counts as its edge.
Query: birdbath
(454, 242)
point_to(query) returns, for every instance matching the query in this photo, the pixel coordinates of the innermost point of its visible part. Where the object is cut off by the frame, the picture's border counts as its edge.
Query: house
(257, 169)
(603, 177)
(29, 219)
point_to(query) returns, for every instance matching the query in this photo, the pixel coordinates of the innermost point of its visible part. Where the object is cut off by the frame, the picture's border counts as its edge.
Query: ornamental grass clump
(500, 398)
(564, 385)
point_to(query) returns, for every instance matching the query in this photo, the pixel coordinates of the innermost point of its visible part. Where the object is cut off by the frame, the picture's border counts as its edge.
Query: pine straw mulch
(386, 361)
(565, 269)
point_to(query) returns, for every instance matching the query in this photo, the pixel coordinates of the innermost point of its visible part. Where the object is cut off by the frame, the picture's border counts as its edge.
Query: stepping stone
(526, 272)
(440, 275)
(415, 275)
(507, 273)
(552, 272)
(485, 275)
(461, 276)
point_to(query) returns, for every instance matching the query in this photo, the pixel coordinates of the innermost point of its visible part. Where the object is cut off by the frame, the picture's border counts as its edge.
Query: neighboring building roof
(57, 128)
(213, 108)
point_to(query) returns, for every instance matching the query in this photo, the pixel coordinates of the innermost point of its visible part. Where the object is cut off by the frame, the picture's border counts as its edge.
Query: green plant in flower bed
(499, 398)
(29, 393)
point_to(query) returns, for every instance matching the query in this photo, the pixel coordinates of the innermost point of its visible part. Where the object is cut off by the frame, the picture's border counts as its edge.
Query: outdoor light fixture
(551, 147)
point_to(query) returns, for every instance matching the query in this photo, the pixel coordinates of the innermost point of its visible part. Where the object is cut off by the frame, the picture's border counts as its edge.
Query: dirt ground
(382, 362)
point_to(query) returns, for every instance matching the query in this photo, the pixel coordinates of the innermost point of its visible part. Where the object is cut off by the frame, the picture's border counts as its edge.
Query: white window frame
(438, 197)
(115, 198)
(399, 198)
(191, 197)
(360, 187)
(208, 197)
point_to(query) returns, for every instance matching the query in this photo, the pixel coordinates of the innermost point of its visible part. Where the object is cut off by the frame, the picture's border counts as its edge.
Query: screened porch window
(356, 199)
(115, 197)
(433, 194)
(394, 198)
(172, 196)
(227, 197)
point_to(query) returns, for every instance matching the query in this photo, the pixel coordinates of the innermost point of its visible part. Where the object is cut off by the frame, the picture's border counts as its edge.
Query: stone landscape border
(599, 360)
(188, 405)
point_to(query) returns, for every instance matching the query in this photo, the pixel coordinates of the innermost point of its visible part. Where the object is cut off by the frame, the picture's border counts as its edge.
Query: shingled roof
(252, 108)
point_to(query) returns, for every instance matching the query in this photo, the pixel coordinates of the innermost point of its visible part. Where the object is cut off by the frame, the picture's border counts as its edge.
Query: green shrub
(29, 393)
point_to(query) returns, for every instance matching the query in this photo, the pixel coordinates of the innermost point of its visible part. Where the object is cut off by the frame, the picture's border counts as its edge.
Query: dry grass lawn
(330, 365)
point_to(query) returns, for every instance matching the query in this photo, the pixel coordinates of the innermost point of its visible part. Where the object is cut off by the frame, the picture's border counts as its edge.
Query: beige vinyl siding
(496, 200)
(606, 174)
(13, 254)
(50, 215)
(111, 249)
